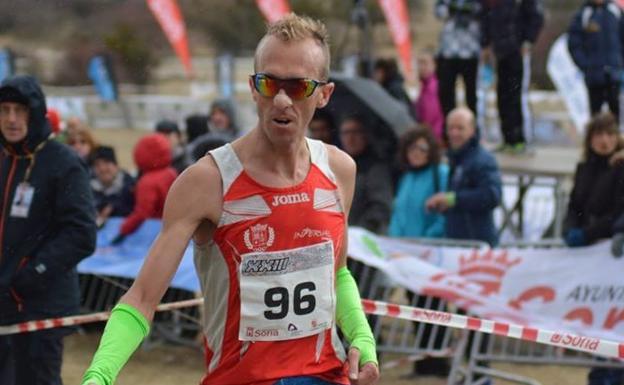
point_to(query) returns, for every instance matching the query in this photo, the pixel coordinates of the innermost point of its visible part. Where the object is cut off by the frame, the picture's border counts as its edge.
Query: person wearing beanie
(152, 155)
(179, 158)
(113, 188)
(47, 226)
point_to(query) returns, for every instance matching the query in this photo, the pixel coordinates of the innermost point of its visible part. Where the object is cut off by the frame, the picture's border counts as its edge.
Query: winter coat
(476, 182)
(597, 198)
(428, 108)
(372, 198)
(507, 24)
(409, 216)
(42, 242)
(152, 155)
(120, 195)
(596, 42)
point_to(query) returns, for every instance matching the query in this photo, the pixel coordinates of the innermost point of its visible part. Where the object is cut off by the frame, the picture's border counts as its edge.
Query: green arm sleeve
(351, 319)
(124, 332)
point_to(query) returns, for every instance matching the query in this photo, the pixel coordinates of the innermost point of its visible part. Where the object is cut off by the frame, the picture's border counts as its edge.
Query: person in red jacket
(152, 155)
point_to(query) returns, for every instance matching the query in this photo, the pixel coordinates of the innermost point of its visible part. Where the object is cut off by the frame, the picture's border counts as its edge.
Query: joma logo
(289, 199)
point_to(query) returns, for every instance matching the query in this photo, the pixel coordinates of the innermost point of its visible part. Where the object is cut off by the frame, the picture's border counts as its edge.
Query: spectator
(474, 188)
(419, 158)
(82, 141)
(595, 200)
(459, 48)
(596, 43)
(47, 228)
(423, 176)
(509, 28)
(427, 105)
(386, 73)
(54, 119)
(179, 156)
(222, 118)
(322, 127)
(373, 187)
(113, 188)
(152, 155)
(196, 126)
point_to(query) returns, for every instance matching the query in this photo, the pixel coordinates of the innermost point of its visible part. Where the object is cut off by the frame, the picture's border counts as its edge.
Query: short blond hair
(293, 27)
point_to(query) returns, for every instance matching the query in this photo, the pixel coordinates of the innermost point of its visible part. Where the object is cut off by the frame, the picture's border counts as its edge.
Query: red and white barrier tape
(32, 326)
(565, 340)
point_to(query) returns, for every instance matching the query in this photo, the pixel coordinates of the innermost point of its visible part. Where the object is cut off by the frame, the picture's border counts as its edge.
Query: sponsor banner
(171, 21)
(397, 17)
(577, 290)
(570, 83)
(273, 10)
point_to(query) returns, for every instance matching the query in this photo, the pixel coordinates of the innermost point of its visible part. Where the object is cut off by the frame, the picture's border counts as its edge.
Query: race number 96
(277, 299)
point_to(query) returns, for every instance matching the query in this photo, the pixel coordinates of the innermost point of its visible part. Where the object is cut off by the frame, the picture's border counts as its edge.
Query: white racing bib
(287, 294)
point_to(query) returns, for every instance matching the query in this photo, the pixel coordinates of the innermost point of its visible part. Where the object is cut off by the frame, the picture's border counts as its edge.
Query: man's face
(281, 118)
(105, 171)
(459, 128)
(219, 120)
(13, 121)
(353, 137)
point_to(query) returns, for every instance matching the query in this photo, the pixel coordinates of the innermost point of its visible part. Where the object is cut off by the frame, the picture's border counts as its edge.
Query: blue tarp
(126, 259)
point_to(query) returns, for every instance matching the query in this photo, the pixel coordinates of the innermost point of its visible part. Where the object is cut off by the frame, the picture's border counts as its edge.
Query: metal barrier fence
(415, 341)
(100, 293)
(485, 349)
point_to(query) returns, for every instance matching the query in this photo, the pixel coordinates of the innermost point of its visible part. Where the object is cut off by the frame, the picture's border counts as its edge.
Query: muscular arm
(183, 213)
(129, 320)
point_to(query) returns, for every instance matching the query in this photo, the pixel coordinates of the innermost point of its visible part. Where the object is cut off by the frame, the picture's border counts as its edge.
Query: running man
(268, 217)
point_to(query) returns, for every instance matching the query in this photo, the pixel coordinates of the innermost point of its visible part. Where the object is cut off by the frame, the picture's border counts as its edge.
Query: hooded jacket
(40, 248)
(596, 42)
(152, 155)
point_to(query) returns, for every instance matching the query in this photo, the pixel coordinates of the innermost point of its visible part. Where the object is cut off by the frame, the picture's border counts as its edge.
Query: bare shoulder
(198, 190)
(341, 163)
(343, 167)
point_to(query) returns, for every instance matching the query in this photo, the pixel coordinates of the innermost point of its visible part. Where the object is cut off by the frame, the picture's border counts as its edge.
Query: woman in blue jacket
(423, 176)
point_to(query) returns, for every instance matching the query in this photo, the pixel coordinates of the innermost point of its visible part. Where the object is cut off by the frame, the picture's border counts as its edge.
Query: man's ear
(326, 91)
(254, 93)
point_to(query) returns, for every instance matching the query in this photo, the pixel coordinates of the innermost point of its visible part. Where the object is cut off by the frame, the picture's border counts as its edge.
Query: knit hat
(105, 153)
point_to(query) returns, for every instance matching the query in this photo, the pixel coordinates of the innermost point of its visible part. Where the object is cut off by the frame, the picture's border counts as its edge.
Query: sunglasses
(296, 89)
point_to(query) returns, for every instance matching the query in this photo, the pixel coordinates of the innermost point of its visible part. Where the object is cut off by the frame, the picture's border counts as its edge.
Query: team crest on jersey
(259, 237)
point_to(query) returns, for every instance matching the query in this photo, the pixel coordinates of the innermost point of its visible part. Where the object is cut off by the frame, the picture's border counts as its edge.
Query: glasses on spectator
(422, 147)
(296, 89)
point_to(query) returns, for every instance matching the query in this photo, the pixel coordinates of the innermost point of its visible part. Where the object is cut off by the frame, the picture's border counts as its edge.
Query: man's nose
(282, 100)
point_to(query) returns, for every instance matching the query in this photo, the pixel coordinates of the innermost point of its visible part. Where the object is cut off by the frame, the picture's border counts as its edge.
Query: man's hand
(367, 375)
(438, 202)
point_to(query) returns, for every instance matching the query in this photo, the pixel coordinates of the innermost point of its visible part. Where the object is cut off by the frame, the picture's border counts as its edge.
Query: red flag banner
(397, 18)
(273, 10)
(170, 19)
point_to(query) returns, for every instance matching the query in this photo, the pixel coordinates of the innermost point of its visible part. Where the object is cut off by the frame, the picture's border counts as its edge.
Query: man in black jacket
(509, 28)
(47, 225)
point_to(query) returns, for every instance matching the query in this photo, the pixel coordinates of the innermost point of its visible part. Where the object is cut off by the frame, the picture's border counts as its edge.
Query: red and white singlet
(268, 277)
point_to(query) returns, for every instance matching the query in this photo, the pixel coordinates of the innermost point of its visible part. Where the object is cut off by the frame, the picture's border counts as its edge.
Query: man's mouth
(282, 121)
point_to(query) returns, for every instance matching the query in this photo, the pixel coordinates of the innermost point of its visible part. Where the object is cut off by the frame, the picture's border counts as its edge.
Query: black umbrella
(388, 118)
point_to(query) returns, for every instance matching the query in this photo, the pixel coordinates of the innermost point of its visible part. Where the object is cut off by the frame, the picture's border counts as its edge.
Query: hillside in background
(55, 39)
